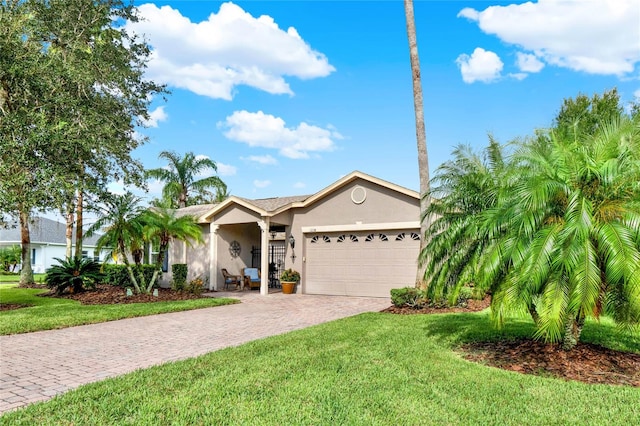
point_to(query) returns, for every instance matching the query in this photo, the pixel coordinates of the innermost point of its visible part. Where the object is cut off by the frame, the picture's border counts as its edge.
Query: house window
(415, 237)
(400, 237)
(370, 237)
(354, 239)
(326, 239)
(314, 239)
(85, 254)
(33, 256)
(341, 238)
(383, 237)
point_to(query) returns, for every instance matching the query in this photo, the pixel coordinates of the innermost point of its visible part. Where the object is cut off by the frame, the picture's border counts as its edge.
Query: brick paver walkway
(37, 366)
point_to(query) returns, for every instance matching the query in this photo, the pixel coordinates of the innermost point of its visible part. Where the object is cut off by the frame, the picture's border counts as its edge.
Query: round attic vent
(358, 195)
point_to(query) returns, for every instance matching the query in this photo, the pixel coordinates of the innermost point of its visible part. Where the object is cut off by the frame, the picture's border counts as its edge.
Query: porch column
(264, 256)
(213, 256)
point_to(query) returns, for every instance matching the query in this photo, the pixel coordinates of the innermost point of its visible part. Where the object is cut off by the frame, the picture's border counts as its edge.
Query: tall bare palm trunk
(421, 135)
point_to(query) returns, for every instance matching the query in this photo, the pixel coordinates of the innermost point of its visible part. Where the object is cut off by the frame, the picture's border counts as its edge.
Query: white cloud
(528, 62)
(267, 131)
(155, 117)
(261, 183)
(228, 49)
(226, 169)
(482, 65)
(299, 185)
(261, 159)
(637, 94)
(595, 36)
(518, 75)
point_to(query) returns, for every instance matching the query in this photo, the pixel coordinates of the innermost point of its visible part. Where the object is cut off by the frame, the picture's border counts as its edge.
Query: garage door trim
(362, 227)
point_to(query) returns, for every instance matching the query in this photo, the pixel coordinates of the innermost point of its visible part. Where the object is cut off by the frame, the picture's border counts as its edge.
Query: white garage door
(360, 263)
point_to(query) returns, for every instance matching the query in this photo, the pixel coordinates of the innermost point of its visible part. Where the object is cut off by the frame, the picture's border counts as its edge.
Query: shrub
(408, 296)
(118, 275)
(196, 285)
(290, 275)
(74, 273)
(179, 276)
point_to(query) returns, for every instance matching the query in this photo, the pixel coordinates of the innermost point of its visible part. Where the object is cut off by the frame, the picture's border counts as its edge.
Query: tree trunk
(421, 135)
(572, 331)
(161, 254)
(79, 224)
(534, 314)
(69, 230)
(26, 272)
(125, 260)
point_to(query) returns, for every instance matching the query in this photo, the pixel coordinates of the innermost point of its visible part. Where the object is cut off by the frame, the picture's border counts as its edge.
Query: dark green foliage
(407, 296)
(290, 275)
(9, 258)
(119, 276)
(552, 230)
(75, 273)
(179, 276)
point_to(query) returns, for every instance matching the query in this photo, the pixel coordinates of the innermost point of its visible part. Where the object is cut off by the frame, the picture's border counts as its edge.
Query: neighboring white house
(47, 242)
(360, 236)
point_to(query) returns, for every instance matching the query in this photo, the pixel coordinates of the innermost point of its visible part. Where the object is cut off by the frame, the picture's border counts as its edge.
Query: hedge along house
(359, 236)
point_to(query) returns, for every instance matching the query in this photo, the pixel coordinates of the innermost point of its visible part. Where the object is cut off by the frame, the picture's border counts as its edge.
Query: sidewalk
(37, 366)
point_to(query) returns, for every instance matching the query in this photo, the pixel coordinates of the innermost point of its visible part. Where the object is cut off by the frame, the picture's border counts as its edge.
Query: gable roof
(272, 206)
(42, 230)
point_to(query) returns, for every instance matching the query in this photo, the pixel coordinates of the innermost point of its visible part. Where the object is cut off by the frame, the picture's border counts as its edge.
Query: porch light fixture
(292, 241)
(273, 235)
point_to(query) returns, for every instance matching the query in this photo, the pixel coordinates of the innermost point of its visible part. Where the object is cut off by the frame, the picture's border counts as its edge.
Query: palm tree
(462, 189)
(568, 235)
(121, 219)
(181, 176)
(421, 136)
(163, 226)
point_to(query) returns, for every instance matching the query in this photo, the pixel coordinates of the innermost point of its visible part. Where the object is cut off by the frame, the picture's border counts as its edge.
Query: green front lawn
(39, 278)
(371, 369)
(46, 313)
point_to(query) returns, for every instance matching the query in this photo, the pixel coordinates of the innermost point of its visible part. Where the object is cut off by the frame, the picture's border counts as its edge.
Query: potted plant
(289, 278)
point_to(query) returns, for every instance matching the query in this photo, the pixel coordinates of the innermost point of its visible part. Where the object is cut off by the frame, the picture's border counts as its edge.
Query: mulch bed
(472, 306)
(586, 363)
(105, 294)
(11, 306)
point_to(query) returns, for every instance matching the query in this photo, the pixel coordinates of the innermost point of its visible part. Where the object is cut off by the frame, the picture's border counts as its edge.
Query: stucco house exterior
(48, 241)
(360, 236)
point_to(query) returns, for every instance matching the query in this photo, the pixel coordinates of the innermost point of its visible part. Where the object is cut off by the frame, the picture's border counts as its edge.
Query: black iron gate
(277, 251)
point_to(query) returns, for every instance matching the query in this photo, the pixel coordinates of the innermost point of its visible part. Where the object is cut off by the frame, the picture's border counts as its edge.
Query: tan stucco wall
(235, 214)
(382, 205)
(197, 258)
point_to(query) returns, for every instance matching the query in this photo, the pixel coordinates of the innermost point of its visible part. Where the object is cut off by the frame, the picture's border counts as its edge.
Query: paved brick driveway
(37, 366)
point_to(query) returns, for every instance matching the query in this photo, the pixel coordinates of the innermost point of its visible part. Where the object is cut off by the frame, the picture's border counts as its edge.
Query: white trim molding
(362, 227)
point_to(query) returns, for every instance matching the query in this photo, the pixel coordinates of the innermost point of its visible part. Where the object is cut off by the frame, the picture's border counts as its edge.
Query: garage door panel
(359, 268)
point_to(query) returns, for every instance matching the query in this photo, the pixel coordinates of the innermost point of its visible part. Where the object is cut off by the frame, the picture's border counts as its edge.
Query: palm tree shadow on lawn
(512, 348)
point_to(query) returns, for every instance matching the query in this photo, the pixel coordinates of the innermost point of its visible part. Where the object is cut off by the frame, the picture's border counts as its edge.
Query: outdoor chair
(231, 279)
(251, 277)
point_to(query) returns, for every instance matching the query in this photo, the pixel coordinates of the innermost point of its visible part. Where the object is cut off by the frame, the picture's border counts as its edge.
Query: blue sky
(289, 96)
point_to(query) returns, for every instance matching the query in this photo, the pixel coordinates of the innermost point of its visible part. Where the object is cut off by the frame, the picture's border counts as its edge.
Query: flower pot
(288, 287)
